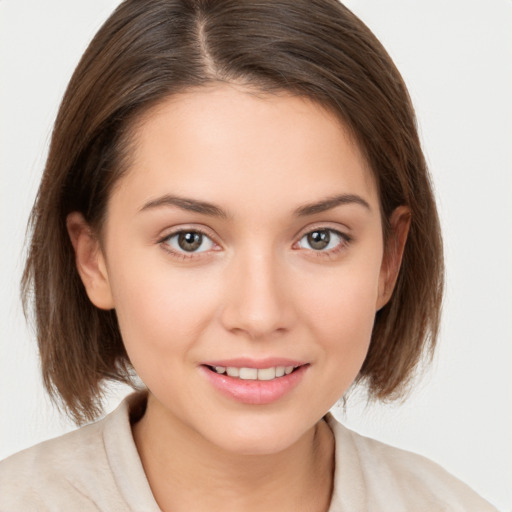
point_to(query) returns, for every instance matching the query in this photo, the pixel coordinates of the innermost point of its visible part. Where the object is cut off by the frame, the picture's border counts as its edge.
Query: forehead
(226, 143)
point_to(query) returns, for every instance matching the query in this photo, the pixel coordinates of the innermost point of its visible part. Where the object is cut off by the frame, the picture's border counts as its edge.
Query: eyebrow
(184, 203)
(329, 203)
(212, 210)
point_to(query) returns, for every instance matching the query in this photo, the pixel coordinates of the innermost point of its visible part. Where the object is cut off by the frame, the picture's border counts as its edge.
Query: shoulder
(55, 472)
(387, 476)
(76, 471)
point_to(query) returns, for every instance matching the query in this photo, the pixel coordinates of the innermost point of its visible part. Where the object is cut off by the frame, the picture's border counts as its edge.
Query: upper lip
(245, 362)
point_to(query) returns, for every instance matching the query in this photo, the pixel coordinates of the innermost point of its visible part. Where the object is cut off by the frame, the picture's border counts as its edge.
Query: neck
(186, 472)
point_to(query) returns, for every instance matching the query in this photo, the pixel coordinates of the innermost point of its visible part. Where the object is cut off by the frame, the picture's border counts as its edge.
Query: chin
(257, 436)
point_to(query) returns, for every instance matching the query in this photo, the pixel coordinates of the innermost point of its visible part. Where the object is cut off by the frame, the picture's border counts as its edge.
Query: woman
(236, 207)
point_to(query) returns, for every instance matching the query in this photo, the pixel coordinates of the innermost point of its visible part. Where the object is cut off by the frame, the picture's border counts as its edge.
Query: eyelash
(164, 242)
(344, 242)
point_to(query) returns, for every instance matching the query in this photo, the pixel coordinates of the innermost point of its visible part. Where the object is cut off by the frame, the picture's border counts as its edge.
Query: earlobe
(399, 224)
(90, 261)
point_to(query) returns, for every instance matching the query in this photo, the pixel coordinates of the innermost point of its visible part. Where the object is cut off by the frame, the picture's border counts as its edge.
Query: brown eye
(189, 242)
(319, 240)
(323, 240)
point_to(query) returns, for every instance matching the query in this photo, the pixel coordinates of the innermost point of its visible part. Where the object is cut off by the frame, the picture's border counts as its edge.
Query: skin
(257, 289)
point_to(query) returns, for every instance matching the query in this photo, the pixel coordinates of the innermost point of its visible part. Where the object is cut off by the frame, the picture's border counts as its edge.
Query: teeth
(255, 373)
(232, 371)
(266, 373)
(248, 373)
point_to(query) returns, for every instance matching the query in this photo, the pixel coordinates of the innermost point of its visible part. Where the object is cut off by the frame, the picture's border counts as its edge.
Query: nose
(257, 301)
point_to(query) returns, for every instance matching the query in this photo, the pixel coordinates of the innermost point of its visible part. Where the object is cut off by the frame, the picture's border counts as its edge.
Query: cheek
(161, 308)
(345, 297)
(341, 312)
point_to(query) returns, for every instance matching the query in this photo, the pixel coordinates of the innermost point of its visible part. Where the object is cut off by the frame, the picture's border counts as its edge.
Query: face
(243, 255)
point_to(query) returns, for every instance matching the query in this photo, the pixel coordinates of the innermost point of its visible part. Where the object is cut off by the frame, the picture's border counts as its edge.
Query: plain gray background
(456, 57)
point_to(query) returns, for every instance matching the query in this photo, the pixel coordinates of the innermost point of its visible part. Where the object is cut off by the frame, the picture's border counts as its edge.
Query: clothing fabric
(97, 468)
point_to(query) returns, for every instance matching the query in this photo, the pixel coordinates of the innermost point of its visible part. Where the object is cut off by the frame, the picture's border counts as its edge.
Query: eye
(189, 241)
(322, 240)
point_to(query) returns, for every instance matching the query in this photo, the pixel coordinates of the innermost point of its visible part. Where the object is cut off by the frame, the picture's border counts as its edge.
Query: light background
(456, 57)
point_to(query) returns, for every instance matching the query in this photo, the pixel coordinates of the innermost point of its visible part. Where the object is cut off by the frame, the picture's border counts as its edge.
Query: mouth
(256, 386)
(246, 373)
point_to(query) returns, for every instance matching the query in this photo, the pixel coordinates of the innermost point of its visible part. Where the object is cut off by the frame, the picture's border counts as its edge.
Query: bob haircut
(149, 50)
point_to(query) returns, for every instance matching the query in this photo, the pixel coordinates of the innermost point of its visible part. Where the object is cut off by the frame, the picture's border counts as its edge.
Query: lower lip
(255, 392)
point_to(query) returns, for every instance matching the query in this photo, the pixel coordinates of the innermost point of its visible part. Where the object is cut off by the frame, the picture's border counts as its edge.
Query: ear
(399, 223)
(90, 261)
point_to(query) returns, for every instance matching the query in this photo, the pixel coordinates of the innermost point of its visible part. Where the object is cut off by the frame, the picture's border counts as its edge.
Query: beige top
(97, 468)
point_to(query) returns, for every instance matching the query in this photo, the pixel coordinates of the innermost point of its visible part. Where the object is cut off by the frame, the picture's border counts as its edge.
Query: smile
(256, 386)
(244, 373)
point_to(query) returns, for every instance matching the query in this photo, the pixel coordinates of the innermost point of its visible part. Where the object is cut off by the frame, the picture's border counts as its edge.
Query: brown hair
(151, 49)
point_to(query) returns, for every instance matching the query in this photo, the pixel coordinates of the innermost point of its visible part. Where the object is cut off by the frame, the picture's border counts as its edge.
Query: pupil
(319, 239)
(190, 241)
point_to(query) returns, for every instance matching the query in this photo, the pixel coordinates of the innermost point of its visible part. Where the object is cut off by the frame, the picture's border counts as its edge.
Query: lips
(255, 383)
(246, 373)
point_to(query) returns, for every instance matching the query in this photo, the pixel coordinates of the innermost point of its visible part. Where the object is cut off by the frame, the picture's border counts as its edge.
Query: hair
(149, 50)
